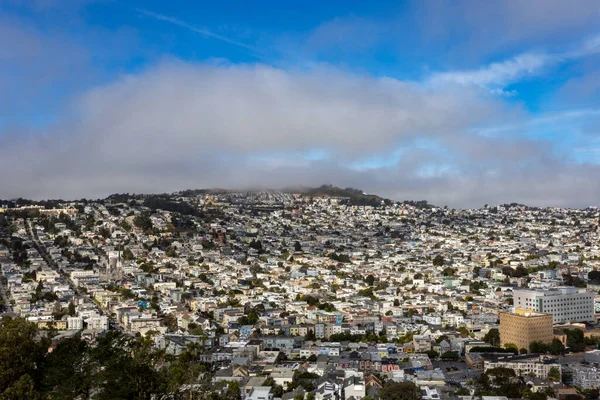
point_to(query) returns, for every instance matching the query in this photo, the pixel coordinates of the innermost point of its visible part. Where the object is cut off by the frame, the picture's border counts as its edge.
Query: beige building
(523, 327)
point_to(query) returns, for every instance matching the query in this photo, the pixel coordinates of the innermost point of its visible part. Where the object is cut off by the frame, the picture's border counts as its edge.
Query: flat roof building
(523, 327)
(566, 304)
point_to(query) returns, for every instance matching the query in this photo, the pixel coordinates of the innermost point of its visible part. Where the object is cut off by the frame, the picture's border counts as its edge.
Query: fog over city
(88, 111)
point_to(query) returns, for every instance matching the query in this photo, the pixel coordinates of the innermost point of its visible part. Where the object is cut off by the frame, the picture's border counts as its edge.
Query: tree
(492, 337)
(21, 358)
(22, 389)
(143, 221)
(575, 339)
(554, 374)
(556, 347)
(500, 381)
(511, 346)
(463, 331)
(297, 246)
(117, 367)
(537, 396)
(450, 355)
(400, 391)
(116, 353)
(233, 391)
(71, 309)
(438, 261)
(128, 254)
(538, 347)
(370, 279)
(432, 354)
(68, 371)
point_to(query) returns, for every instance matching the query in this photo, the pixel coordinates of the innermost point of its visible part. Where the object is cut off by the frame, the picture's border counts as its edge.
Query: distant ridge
(350, 195)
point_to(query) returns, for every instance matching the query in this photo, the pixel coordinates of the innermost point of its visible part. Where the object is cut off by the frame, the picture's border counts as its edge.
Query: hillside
(354, 196)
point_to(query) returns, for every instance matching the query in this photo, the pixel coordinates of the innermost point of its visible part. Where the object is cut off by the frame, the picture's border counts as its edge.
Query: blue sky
(461, 103)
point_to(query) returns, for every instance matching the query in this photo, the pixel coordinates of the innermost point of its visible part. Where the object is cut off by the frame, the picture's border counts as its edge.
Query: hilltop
(353, 196)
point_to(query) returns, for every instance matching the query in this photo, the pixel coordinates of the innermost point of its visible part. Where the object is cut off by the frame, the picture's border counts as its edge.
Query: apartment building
(525, 365)
(523, 327)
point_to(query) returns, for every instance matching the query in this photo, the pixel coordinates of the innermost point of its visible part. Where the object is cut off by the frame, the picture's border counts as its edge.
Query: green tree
(511, 346)
(557, 347)
(450, 355)
(128, 254)
(432, 354)
(463, 331)
(233, 391)
(118, 353)
(400, 391)
(500, 381)
(184, 369)
(22, 389)
(539, 395)
(538, 347)
(143, 221)
(492, 337)
(67, 372)
(21, 358)
(71, 309)
(554, 374)
(575, 339)
(370, 279)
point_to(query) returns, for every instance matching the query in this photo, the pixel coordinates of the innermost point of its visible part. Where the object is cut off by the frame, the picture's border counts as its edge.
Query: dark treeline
(117, 366)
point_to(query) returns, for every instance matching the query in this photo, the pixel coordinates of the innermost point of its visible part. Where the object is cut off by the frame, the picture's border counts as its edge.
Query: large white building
(566, 304)
(524, 365)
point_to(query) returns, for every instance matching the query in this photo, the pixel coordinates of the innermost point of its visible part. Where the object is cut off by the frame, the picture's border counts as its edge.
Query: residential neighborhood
(295, 295)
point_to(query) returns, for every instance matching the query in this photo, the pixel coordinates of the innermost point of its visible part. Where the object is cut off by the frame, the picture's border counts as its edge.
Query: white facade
(99, 323)
(260, 393)
(566, 304)
(282, 376)
(586, 377)
(355, 390)
(74, 323)
(538, 367)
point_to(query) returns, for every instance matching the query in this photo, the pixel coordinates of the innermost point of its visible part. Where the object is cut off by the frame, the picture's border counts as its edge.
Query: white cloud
(247, 109)
(182, 125)
(484, 28)
(500, 74)
(497, 74)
